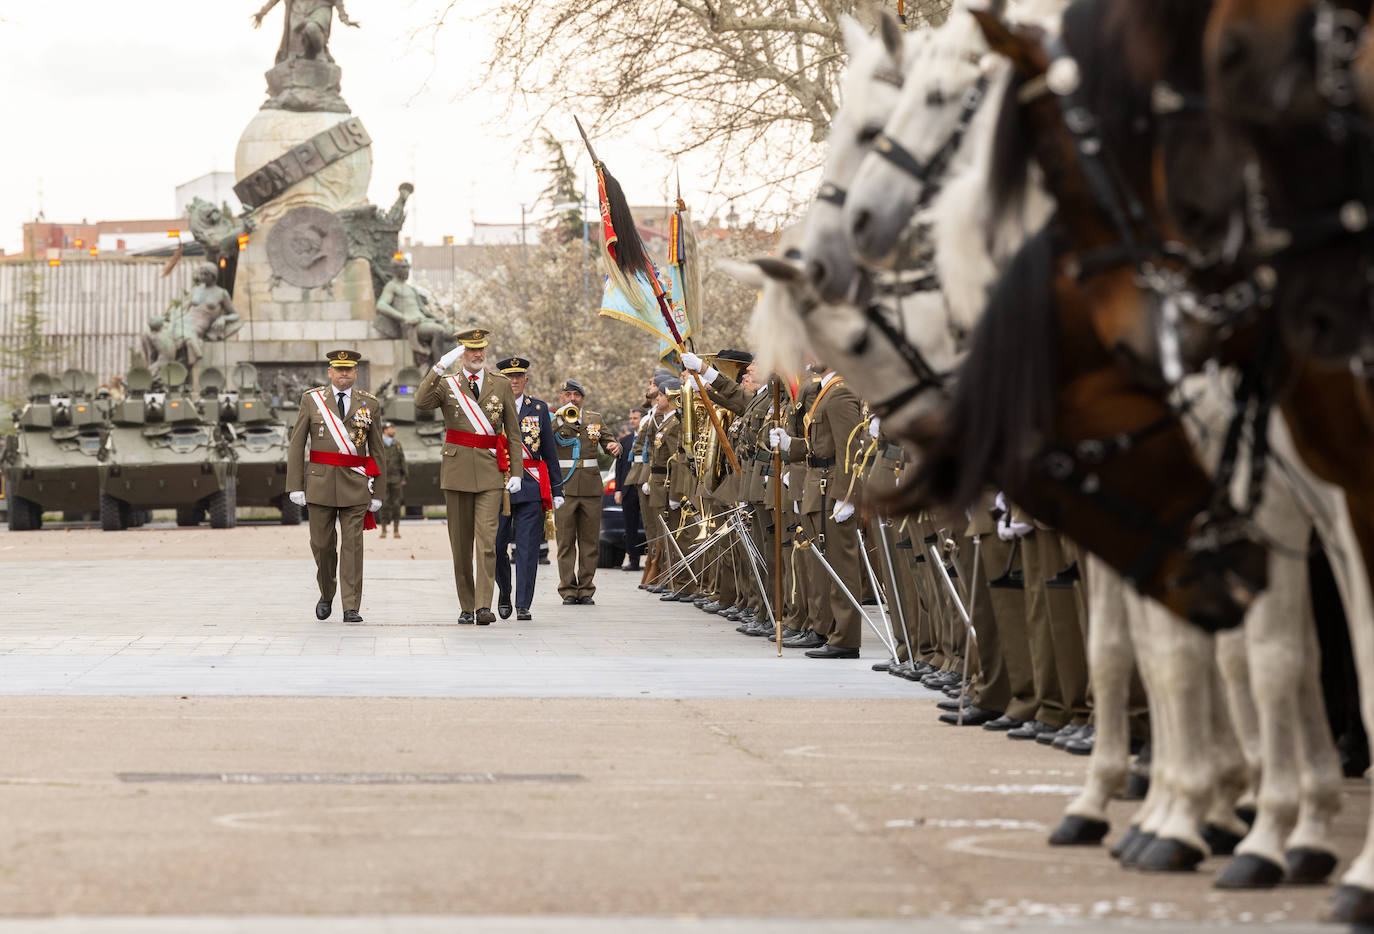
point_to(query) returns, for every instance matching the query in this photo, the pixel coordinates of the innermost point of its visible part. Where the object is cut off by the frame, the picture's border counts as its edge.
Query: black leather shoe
(1030, 730)
(1063, 736)
(882, 666)
(712, 606)
(787, 633)
(522, 613)
(760, 628)
(1002, 724)
(669, 596)
(485, 617)
(586, 601)
(465, 618)
(832, 651)
(351, 616)
(570, 601)
(1082, 744)
(807, 640)
(323, 609)
(504, 608)
(973, 716)
(701, 600)
(953, 703)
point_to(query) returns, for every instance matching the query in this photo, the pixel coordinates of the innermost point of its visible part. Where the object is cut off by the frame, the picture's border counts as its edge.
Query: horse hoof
(1220, 840)
(1166, 855)
(1136, 788)
(1246, 814)
(1130, 857)
(1127, 840)
(1078, 831)
(1248, 871)
(1308, 867)
(1351, 905)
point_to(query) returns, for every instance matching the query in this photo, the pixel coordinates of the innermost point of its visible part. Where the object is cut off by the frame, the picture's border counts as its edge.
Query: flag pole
(777, 513)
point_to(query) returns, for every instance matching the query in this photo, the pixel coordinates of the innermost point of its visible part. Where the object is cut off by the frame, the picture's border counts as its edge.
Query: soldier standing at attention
(339, 428)
(578, 521)
(394, 501)
(542, 492)
(479, 464)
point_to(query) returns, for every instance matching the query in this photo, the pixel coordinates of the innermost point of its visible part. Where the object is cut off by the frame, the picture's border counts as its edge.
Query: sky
(109, 105)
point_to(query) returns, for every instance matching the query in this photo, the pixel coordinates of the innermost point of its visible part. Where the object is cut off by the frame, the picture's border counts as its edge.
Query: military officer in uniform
(579, 434)
(331, 467)
(480, 464)
(394, 502)
(540, 492)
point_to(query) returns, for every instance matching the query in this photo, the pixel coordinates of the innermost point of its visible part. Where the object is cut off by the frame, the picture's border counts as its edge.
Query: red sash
(335, 459)
(469, 440)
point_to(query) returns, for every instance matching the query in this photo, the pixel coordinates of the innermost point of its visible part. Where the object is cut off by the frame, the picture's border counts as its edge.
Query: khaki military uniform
(578, 521)
(638, 475)
(337, 494)
(667, 443)
(472, 482)
(393, 504)
(831, 449)
(802, 587)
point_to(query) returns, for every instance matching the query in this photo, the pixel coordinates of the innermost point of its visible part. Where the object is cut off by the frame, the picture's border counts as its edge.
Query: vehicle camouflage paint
(50, 463)
(421, 435)
(161, 451)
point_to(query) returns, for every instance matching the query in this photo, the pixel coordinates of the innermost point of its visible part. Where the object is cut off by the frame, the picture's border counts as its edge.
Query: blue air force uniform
(525, 524)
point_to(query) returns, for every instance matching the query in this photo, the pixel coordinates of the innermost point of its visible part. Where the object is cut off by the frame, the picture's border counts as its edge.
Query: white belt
(573, 465)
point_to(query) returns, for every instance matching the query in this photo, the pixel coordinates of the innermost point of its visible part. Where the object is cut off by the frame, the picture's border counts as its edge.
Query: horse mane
(1012, 153)
(1003, 407)
(630, 255)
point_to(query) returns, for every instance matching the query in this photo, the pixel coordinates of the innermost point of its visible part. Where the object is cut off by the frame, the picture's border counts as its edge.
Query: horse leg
(1145, 638)
(1275, 643)
(1111, 659)
(1236, 765)
(1186, 676)
(1310, 857)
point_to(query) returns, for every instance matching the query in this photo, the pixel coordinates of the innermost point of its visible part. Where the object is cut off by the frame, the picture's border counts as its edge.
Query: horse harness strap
(831, 193)
(931, 172)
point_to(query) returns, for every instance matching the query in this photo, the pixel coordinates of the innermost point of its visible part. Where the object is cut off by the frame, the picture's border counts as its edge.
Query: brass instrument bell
(568, 415)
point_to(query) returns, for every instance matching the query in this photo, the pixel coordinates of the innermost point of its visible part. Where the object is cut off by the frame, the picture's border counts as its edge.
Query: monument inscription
(302, 161)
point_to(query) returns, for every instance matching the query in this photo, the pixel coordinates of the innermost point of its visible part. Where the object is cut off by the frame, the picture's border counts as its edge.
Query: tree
(29, 350)
(567, 223)
(753, 83)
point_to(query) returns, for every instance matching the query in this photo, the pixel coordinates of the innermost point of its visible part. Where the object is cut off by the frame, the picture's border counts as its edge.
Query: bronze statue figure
(305, 29)
(401, 312)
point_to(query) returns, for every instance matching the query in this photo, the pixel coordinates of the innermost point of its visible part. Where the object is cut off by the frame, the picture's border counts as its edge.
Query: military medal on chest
(594, 432)
(362, 421)
(494, 409)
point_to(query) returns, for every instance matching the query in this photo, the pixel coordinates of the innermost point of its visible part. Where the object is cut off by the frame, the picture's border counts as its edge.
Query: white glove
(644, 489)
(843, 510)
(297, 497)
(742, 505)
(875, 428)
(691, 361)
(1006, 529)
(374, 505)
(787, 481)
(673, 504)
(796, 508)
(558, 502)
(513, 485)
(452, 357)
(779, 438)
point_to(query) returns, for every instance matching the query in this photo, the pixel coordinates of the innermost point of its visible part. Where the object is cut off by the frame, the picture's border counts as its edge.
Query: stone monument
(309, 256)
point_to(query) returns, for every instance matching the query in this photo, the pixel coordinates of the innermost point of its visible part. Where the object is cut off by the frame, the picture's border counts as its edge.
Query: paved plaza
(188, 749)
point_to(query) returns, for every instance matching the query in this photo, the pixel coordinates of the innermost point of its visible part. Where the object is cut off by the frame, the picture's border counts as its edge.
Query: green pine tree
(565, 225)
(29, 351)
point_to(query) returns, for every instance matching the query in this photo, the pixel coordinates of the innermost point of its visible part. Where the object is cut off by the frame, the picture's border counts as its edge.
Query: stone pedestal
(285, 326)
(305, 85)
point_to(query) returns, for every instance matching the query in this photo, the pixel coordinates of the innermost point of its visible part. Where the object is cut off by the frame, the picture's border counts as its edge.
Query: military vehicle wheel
(188, 516)
(290, 512)
(609, 556)
(138, 518)
(114, 513)
(221, 505)
(25, 515)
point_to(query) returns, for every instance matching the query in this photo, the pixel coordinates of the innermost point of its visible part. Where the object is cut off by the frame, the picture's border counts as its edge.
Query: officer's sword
(970, 643)
(891, 641)
(811, 546)
(751, 552)
(896, 593)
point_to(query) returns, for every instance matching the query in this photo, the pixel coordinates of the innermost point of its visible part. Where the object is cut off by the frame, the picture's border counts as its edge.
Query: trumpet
(569, 415)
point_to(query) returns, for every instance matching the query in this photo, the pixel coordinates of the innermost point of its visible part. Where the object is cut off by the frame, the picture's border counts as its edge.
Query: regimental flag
(647, 312)
(682, 266)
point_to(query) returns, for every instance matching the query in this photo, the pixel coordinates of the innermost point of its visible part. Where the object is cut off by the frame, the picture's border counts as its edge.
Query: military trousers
(578, 525)
(392, 504)
(472, 521)
(524, 528)
(338, 551)
(1007, 599)
(1058, 653)
(843, 626)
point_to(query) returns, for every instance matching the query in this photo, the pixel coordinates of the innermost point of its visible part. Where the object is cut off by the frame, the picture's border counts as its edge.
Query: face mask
(387, 439)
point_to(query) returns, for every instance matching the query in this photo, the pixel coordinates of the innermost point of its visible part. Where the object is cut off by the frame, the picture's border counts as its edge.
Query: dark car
(612, 550)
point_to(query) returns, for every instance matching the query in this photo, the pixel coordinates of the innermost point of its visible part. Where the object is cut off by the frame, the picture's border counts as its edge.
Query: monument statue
(375, 235)
(305, 27)
(204, 313)
(403, 312)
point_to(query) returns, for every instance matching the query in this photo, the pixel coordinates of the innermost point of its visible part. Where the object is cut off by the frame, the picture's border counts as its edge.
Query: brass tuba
(568, 415)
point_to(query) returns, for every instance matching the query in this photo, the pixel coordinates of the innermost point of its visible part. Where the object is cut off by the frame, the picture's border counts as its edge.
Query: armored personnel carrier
(162, 451)
(50, 463)
(422, 436)
(259, 438)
